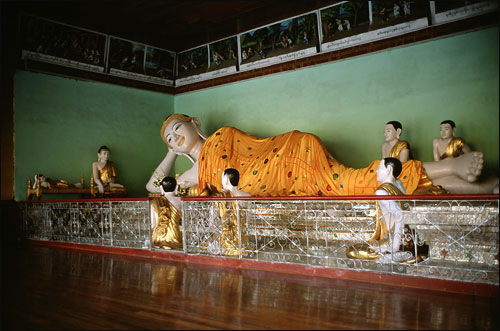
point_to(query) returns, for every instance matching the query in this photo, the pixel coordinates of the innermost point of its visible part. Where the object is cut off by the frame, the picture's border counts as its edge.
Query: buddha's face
(383, 172)
(104, 155)
(181, 136)
(390, 133)
(446, 131)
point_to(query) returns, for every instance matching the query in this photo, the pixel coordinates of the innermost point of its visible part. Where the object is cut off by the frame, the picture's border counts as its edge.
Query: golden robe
(454, 148)
(398, 147)
(291, 164)
(167, 233)
(106, 174)
(229, 238)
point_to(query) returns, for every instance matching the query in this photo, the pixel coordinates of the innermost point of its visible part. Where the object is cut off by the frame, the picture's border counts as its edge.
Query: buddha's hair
(168, 184)
(395, 124)
(450, 122)
(103, 147)
(396, 165)
(233, 175)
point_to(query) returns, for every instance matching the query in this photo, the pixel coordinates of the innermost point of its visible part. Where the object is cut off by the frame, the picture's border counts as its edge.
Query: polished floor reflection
(57, 288)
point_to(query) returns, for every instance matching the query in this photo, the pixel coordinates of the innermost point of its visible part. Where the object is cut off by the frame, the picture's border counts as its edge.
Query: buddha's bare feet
(469, 166)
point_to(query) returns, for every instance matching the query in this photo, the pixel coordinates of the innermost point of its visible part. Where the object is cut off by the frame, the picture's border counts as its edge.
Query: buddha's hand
(100, 187)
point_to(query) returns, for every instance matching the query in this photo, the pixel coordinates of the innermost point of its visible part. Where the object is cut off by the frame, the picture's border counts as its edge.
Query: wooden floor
(59, 288)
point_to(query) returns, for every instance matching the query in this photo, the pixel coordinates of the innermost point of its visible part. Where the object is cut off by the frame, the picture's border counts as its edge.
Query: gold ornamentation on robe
(291, 164)
(454, 148)
(398, 147)
(167, 233)
(228, 212)
(106, 174)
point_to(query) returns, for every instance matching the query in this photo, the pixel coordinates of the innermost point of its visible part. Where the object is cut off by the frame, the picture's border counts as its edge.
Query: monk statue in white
(104, 174)
(230, 180)
(290, 164)
(389, 228)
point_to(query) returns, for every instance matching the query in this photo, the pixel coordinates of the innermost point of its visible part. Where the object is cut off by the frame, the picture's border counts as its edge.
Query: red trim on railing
(89, 200)
(359, 197)
(305, 198)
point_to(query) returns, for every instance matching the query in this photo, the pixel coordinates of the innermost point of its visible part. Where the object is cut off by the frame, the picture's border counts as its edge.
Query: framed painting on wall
(394, 18)
(280, 42)
(191, 65)
(159, 66)
(126, 58)
(57, 43)
(449, 11)
(342, 23)
(223, 56)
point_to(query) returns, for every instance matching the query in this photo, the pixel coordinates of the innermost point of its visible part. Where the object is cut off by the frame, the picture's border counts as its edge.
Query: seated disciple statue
(393, 147)
(167, 214)
(389, 216)
(448, 146)
(104, 174)
(291, 164)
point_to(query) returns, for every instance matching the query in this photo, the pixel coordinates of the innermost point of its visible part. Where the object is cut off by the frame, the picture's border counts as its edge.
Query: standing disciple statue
(104, 174)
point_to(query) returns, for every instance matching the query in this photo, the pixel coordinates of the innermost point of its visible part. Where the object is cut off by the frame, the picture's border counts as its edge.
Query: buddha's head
(392, 130)
(181, 132)
(103, 154)
(447, 129)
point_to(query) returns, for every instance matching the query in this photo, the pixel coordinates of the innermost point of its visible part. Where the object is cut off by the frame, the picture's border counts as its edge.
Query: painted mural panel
(280, 42)
(223, 57)
(341, 23)
(386, 19)
(448, 11)
(48, 41)
(191, 65)
(159, 65)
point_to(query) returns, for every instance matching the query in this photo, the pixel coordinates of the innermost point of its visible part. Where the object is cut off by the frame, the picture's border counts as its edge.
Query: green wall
(60, 123)
(347, 103)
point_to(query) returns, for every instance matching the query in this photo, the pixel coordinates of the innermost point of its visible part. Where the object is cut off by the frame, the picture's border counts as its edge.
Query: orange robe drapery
(291, 164)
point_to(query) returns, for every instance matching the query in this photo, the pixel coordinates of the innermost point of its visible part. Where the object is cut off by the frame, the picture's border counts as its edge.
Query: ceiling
(174, 25)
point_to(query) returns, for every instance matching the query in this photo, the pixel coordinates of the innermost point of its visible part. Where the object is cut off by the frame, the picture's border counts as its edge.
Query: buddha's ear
(391, 169)
(398, 132)
(454, 131)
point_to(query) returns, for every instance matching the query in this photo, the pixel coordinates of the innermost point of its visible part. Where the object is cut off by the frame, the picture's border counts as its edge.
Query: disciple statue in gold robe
(393, 147)
(104, 174)
(167, 211)
(290, 164)
(448, 145)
